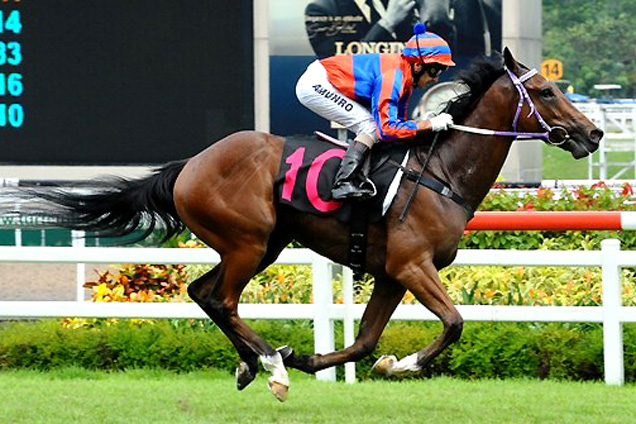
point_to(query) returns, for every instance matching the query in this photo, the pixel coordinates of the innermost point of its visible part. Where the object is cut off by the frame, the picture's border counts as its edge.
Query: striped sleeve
(340, 74)
(389, 108)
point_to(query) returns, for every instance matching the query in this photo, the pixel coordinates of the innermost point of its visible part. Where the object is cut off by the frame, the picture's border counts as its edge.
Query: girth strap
(441, 189)
(358, 237)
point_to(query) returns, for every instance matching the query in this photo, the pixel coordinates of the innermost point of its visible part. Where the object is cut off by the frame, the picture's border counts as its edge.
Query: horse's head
(568, 128)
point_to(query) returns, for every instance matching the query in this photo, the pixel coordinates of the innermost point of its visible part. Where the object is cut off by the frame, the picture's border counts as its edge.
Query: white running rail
(612, 314)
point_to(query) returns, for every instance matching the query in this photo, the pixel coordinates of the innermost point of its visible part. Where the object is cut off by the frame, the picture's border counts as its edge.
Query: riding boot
(352, 182)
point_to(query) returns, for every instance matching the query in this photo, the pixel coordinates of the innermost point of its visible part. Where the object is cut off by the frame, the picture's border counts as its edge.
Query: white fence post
(612, 302)
(78, 240)
(602, 159)
(323, 324)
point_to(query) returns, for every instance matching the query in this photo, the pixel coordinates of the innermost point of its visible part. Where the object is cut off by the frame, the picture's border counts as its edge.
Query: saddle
(307, 172)
(308, 169)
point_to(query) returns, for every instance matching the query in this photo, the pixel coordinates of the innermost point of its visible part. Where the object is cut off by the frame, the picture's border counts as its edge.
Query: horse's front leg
(424, 282)
(384, 299)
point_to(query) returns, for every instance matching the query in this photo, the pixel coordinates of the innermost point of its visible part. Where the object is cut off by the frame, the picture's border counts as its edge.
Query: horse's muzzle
(593, 140)
(596, 135)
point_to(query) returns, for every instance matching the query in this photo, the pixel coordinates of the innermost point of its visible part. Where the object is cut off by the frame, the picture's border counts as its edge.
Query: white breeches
(315, 92)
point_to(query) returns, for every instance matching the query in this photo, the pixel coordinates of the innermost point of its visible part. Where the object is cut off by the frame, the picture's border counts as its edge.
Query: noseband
(556, 135)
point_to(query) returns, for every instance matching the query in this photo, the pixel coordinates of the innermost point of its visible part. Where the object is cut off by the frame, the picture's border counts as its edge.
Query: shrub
(486, 350)
(141, 283)
(583, 198)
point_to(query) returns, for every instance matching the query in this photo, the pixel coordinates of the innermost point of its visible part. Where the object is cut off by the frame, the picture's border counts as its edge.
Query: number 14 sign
(552, 69)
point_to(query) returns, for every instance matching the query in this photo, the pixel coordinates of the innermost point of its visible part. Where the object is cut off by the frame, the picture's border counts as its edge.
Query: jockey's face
(421, 77)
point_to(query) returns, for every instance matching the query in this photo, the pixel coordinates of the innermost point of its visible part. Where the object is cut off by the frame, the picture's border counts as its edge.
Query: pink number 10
(311, 185)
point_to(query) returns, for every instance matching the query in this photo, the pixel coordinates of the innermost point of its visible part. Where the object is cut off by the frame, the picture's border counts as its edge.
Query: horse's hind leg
(201, 291)
(246, 371)
(384, 299)
(225, 196)
(218, 293)
(425, 284)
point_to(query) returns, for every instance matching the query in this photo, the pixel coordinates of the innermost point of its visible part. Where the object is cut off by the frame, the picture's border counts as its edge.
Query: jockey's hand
(428, 115)
(441, 122)
(396, 12)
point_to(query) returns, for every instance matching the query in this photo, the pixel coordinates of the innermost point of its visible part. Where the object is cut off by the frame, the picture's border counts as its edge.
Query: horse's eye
(547, 93)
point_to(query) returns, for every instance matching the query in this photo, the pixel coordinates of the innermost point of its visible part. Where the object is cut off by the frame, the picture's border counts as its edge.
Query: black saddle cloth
(308, 169)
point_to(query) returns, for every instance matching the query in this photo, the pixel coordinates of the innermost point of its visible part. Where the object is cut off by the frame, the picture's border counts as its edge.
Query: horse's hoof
(384, 365)
(278, 389)
(244, 376)
(285, 351)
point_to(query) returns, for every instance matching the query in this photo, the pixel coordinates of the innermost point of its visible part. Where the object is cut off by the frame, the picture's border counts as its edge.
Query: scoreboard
(11, 86)
(118, 82)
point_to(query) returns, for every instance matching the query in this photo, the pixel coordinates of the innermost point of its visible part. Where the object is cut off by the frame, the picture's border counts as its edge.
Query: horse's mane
(478, 77)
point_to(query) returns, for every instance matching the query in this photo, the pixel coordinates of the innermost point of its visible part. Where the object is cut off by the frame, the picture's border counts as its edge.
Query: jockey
(368, 94)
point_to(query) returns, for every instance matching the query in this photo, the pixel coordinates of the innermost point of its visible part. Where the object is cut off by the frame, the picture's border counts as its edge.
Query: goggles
(435, 71)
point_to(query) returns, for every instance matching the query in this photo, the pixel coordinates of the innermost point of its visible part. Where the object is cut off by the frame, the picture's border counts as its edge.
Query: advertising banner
(303, 30)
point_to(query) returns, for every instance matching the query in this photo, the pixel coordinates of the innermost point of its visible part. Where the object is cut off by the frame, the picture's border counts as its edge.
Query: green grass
(79, 396)
(560, 165)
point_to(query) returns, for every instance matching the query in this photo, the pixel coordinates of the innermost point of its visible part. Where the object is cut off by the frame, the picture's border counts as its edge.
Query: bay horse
(225, 195)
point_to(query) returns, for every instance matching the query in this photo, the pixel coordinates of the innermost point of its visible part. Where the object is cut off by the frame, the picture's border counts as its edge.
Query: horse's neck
(470, 163)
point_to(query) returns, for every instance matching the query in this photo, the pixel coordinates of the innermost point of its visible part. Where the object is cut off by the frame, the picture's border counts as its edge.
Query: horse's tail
(120, 206)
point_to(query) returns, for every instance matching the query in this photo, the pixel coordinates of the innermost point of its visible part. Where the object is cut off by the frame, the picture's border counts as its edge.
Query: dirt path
(41, 281)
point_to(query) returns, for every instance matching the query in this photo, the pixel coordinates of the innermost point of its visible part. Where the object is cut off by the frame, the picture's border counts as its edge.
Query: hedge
(597, 197)
(486, 350)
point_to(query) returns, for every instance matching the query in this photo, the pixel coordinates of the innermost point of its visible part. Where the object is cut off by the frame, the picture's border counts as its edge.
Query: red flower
(525, 206)
(579, 193)
(627, 190)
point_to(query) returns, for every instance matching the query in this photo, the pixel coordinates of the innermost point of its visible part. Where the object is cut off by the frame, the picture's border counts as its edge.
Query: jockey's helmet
(427, 48)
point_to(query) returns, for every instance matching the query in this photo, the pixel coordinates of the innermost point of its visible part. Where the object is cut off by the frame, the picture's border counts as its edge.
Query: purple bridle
(558, 132)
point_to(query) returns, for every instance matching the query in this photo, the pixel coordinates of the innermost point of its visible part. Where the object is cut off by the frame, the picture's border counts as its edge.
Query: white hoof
(278, 383)
(384, 365)
(279, 390)
(388, 365)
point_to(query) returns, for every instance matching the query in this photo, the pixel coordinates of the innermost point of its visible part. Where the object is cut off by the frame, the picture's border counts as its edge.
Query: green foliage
(511, 345)
(509, 350)
(595, 40)
(486, 350)
(280, 284)
(597, 197)
(179, 345)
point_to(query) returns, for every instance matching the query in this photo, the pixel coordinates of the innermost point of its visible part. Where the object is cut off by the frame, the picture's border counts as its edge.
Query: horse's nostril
(596, 134)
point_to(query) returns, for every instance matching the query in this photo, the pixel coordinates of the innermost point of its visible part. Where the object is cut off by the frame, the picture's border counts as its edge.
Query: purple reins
(523, 98)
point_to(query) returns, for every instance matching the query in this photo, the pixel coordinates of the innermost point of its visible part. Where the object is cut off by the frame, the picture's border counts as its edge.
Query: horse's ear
(510, 61)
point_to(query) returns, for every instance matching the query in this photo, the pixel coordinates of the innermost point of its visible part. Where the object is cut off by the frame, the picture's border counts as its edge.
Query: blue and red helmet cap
(427, 47)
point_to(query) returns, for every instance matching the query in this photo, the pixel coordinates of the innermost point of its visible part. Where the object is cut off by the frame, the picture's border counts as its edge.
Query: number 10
(311, 185)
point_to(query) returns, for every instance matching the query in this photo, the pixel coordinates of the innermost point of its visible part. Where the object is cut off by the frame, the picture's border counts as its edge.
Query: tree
(595, 40)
